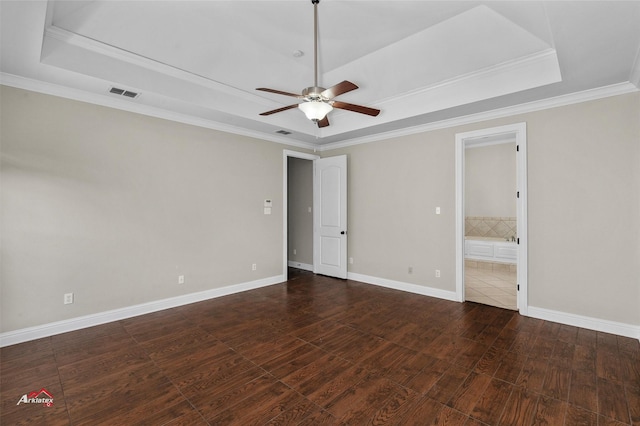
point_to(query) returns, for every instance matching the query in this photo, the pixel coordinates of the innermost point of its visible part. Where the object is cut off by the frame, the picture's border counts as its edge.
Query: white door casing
(519, 131)
(330, 216)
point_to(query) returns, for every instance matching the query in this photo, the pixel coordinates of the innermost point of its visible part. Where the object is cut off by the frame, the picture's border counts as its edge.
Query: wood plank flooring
(321, 351)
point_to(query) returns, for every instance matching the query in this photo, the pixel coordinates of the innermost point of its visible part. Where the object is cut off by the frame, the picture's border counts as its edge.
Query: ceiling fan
(318, 101)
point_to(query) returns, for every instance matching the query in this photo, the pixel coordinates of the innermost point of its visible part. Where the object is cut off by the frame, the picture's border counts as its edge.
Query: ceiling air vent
(283, 132)
(123, 92)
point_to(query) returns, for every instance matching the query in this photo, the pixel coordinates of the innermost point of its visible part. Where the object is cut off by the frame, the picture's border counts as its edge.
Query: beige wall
(584, 207)
(490, 180)
(113, 206)
(394, 188)
(300, 219)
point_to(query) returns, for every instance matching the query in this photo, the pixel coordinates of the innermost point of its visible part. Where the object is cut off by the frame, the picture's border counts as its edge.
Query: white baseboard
(618, 328)
(46, 330)
(399, 285)
(299, 265)
(613, 327)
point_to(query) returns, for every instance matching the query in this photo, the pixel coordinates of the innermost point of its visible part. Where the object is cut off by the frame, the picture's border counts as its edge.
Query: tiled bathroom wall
(497, 227)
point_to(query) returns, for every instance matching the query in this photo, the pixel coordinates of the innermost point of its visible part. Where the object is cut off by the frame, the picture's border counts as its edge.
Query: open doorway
(297, 211)
(490, 221)
(491, 228)
(300, 213)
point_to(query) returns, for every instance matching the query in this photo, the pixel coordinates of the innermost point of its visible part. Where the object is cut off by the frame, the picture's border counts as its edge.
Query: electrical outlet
(437, 273)
(180, 279)
(351, 261)
(254, 267)
(411, 269)
(295, 252)
(68, 298)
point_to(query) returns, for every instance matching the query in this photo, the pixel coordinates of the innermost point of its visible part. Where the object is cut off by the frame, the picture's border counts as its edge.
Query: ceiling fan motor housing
(314, 93)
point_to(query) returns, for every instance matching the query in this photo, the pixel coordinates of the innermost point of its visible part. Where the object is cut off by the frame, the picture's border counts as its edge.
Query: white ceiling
(419, 62)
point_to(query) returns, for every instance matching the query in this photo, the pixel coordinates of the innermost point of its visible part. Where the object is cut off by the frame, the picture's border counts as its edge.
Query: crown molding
(47, 88)
(83, 96)
(573, 98)
(527, 72)
(534, 70)
(536, 61)
(90, 45)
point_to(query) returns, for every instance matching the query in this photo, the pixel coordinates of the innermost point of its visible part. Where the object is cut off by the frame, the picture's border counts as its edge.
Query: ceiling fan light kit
(315, 110)
(318, 101)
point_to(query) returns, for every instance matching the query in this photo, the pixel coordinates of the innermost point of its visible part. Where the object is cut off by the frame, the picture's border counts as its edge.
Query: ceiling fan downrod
(313, 93)
(317, 101)
(315, 42)
(315, 106)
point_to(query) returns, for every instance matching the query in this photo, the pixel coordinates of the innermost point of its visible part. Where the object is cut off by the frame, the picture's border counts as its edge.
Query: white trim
(533, 70)
(522, 225)
(606, 326)
(537, 62)
(402, 286)
(460, 216)
(523, 73)
(137, 108)
(613, 327)
(558, 101)
(100, 99)
(299, 265)
(634, 77)
(507, 138)
(520, 132)
(46, 330)
(286, 153)
(109, 51)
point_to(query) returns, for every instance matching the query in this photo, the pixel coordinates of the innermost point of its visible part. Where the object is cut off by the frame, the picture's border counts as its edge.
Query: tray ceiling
(419, 62)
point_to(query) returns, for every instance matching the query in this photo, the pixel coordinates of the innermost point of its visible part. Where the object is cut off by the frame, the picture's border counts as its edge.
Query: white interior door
(330, 217)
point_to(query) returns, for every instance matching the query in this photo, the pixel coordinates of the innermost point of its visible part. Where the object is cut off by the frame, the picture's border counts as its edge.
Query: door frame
(520, 132)
(285, 203)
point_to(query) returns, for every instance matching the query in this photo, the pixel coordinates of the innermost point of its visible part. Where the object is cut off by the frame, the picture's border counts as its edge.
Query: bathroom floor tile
(473, 292)
(495, 288)
(494, 292)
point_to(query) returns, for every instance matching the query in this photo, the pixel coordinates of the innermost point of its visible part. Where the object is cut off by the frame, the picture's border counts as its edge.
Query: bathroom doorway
(491, 217)
(490, 221)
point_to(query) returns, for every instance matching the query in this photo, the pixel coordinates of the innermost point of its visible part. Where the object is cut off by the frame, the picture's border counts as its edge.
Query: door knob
(343, 232)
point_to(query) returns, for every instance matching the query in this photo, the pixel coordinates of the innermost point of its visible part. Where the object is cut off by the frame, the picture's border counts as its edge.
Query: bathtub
(490, 249)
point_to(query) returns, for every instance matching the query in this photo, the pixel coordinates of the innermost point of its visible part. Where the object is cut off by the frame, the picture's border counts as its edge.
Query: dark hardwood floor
(321, 351)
